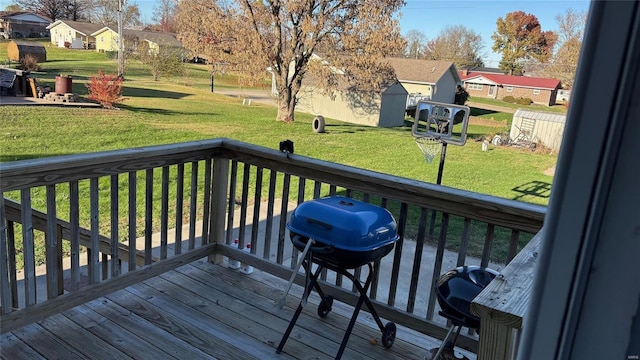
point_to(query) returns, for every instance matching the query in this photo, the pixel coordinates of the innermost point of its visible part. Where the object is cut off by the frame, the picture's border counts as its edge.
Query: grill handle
(318, 222)
(317, 249)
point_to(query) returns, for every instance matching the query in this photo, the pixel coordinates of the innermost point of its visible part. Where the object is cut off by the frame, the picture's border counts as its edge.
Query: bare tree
(458, 44)
(161, 61)
(164, 15)
(565, 60)
(58, 9)
(77, 10)
(416, 41)
(253, 36)
(106, 12)
(53, 9)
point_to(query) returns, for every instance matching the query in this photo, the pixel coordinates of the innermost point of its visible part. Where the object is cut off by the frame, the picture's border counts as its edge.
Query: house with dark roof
(76, 33)
(496, 86)
(22, 24)
(433, 79)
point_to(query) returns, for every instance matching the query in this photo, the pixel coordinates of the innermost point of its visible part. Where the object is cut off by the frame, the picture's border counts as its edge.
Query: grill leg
(352, 323)
(444, 344)
(362, 289)
(307, 291)
(363, 299)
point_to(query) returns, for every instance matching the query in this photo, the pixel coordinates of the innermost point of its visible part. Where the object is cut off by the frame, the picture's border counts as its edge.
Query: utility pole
(121, 3)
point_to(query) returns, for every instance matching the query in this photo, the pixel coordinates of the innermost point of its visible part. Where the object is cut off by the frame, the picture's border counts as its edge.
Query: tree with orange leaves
(519, 37)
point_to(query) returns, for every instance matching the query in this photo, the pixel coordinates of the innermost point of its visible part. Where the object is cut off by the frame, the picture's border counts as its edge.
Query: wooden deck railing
(503, 304)
(220, 190)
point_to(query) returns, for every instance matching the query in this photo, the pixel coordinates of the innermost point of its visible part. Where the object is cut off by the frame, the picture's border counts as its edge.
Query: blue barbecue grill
(345, 234)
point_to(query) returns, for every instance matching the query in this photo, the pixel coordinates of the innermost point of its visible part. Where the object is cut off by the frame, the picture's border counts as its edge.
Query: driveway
(259, 96)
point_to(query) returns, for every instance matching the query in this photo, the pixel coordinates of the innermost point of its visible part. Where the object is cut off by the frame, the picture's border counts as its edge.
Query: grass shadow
(151, 93)
(156, 111)
(345, 128)
(479, 112)
(538, 189)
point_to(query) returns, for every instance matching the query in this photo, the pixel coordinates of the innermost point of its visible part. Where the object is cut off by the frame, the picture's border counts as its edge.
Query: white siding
(547, 130)
(349, 106)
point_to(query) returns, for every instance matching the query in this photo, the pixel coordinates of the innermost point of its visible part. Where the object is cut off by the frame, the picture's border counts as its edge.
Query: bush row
(520, 100)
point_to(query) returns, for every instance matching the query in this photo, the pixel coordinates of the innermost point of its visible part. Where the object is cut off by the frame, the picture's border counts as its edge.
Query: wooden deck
(205, 311)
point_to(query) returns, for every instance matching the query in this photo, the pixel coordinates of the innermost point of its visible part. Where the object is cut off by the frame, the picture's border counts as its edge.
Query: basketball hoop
(429, 146)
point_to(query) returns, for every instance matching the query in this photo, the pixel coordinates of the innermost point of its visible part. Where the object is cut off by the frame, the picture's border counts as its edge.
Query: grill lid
(345, 223)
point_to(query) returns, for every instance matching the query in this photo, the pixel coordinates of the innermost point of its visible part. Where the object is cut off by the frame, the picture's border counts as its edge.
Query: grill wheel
(325, 306)
(388, 335)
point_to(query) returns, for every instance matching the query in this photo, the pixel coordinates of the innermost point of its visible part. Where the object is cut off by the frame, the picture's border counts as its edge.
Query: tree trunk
(286, 105)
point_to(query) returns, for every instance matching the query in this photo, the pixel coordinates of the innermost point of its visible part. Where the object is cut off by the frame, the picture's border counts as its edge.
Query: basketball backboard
(446, 122)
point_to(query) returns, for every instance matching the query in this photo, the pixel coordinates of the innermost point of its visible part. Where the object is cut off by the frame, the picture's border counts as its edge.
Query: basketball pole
(443, 154)
(441, 166)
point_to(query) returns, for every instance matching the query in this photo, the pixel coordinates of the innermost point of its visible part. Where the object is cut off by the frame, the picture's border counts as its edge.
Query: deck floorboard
(205, 311)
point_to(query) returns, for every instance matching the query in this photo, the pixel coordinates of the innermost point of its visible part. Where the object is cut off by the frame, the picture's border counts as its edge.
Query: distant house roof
(511, 80)
(167, 39)
(422, 71)
(485, 70)
(84, 28)
(24, 15)
(159, 38)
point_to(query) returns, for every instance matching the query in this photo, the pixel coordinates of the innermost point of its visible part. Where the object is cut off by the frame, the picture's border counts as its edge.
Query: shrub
(111, 54)
(509, 99)
(105, 89)
(29, 63)
(524, 101)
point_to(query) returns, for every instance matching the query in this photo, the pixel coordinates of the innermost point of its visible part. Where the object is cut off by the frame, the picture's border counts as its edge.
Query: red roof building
(496, 86)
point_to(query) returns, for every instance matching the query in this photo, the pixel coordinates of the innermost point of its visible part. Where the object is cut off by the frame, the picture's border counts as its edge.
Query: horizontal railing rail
(221, 190)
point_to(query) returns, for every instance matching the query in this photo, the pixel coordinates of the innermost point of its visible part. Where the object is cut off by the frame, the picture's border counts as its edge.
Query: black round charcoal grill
(345, 234)
(455, 290)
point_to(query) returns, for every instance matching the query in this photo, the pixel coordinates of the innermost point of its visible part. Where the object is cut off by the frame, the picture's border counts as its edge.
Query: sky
(431, 16)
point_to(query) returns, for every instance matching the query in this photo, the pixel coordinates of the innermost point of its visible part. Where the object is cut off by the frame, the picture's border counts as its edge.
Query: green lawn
(184, 109)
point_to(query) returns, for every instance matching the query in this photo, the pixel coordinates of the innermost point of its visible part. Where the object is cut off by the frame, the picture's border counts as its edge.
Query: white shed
(385, 109)
(538, 127)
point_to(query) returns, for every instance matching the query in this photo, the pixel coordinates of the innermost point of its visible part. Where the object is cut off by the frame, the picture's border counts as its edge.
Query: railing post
(497, 340)
(503, 304)
(218, 205)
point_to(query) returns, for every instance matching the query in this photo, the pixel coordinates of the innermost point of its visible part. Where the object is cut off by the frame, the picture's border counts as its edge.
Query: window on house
(473, 86)
(509, 88)
(536, 91)
(101, 38)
